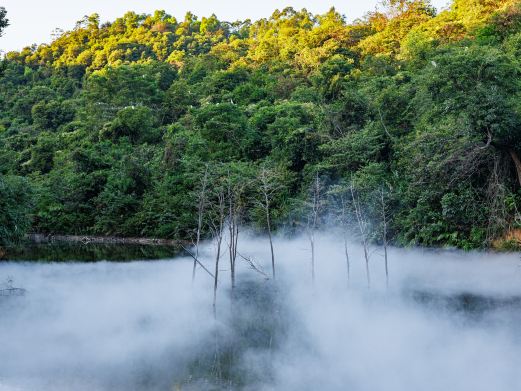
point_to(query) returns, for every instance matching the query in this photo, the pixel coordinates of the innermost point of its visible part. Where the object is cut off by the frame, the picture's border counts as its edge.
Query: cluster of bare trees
(225, 196)
(228, 198)
(359, 213)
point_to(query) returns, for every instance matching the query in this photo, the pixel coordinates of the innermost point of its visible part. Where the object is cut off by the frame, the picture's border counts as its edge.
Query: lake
(130, 318)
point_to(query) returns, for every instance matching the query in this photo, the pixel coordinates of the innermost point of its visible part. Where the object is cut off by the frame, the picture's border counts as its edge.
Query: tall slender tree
(383, 199)
(269, 184)
(315, 208)
(202, 200)
(363, 228)
(217, 228)
(341, 203)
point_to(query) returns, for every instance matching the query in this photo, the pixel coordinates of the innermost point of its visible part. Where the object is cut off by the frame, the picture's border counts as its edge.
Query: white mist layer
(112, 326)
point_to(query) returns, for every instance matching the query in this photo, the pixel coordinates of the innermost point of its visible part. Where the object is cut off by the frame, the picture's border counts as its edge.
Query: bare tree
(269, 185)
(196, 260)
(384, 213)
(315, 206)
(202, 199)
(341, 200)
(235, 190)
(345, 231)
(217, 228)
(363, 229)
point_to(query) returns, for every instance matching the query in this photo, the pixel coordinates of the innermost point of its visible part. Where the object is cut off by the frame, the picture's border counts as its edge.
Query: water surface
(448, 320)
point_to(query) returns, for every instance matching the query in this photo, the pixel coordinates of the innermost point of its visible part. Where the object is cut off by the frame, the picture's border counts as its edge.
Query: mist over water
(448, 321)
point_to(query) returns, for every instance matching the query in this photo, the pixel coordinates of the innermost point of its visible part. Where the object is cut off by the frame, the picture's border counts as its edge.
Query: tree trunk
(386, 264)
(367, 272)
(272, 253)
(312, 241)
(517, 163)
(216, 278)
(268, 222)
(346, 252)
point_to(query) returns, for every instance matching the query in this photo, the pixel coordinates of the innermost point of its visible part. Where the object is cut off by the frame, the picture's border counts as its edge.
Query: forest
(403, 127)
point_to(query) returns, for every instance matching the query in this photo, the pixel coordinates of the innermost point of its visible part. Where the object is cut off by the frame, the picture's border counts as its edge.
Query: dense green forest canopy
(109, 128)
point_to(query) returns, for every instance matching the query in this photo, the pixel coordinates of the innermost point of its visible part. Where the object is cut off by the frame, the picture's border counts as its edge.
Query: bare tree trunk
(312, 240)
(517, 163)
(218, 236)
(233, 252)
(367, 271)
(316, 206)
(216, 276)
(363, 234)
(386, 264)
(268, 223)
(200, 212)
(233, 229)
(384, 235)
(269, 184)
(344, 228)
(346, 251)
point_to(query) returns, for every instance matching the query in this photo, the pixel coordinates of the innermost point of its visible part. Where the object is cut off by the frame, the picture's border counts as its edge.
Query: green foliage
(111, 125)
(15, 209)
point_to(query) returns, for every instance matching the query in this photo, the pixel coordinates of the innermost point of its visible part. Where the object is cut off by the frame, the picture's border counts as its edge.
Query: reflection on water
(77, 252)
(468, 304)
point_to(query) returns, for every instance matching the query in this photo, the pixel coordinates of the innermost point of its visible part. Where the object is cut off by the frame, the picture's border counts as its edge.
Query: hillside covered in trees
(409, 118)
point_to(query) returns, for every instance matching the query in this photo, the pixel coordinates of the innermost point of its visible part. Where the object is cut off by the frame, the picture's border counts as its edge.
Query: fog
(448, 321)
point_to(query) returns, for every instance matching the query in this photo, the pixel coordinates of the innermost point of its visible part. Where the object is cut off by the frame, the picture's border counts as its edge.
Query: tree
(4, 22)
(383, 195)
(342, 207)
(237, 179)
(202, 201)
(314, 206)
(363, 228)
(217, 228)
(269, 181)
(112, 123)
(478, 86)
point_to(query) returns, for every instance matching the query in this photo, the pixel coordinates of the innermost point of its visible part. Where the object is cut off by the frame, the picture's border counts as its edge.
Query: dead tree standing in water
(344, 225)
(384, 213)
(339, 195)
(315, 206)
(363, 229)
(235, 193)
(268, 180)
(217, 228)
(202, 199)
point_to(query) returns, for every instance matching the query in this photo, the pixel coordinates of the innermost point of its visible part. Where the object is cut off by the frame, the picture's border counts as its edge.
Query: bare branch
(197, 261)
(254, 266)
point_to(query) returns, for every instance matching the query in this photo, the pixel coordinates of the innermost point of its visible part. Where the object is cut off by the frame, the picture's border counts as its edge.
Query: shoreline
(87, 239)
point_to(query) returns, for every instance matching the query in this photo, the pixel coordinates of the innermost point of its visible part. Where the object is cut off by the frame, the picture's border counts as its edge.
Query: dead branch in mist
(197, 261)
(254, 266)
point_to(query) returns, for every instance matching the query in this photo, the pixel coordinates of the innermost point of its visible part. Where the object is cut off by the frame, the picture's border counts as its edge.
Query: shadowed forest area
(402, 127)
